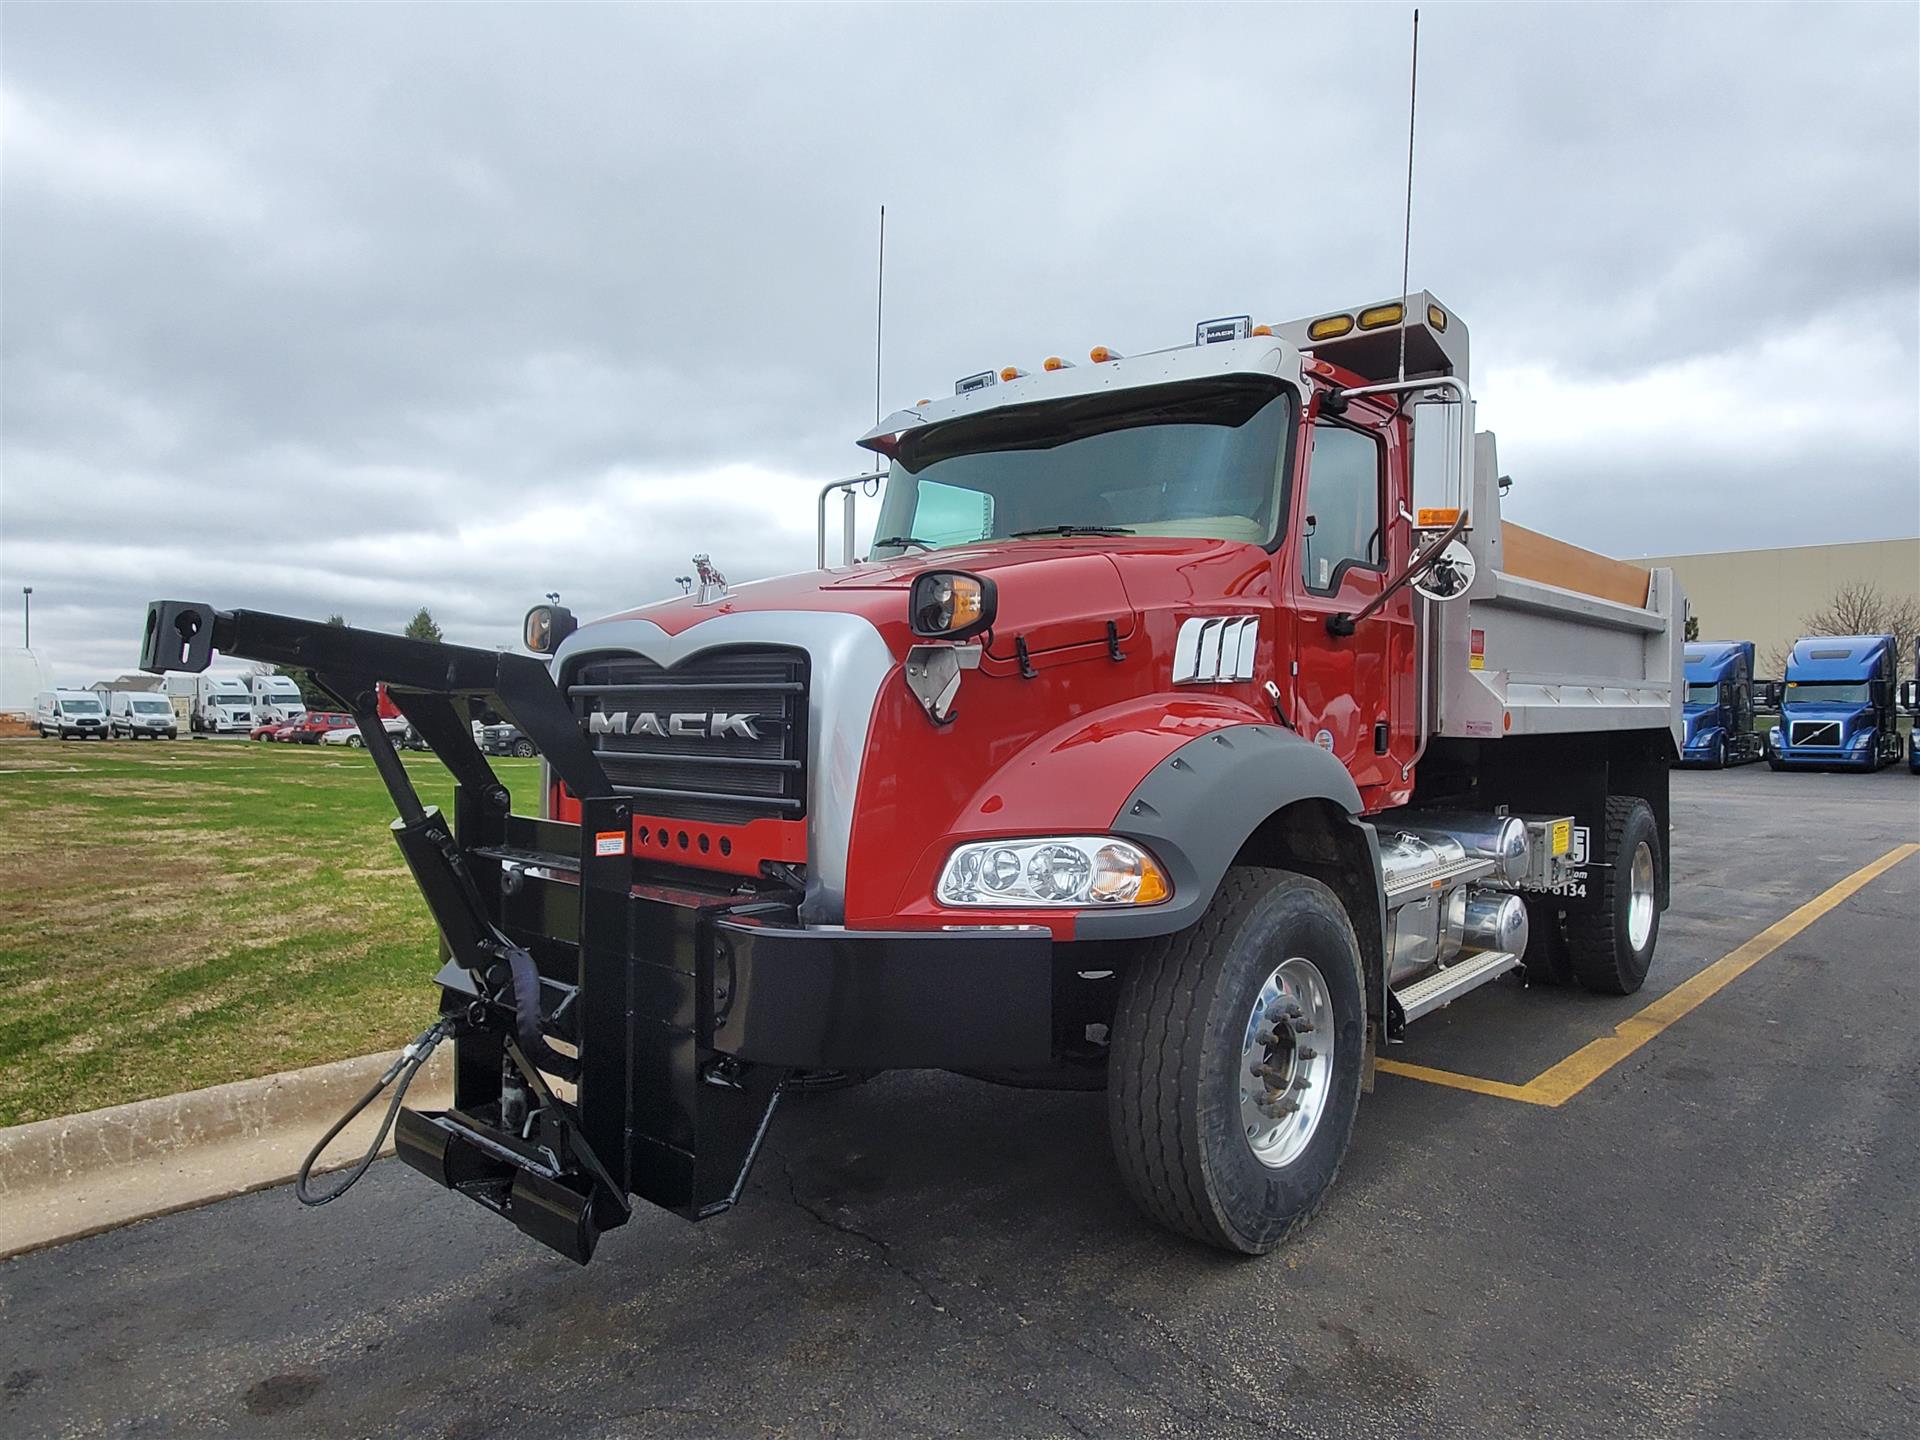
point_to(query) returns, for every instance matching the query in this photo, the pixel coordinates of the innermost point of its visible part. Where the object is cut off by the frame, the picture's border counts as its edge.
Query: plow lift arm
(510, 1142)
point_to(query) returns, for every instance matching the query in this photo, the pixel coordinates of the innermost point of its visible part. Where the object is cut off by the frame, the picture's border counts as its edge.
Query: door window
(1343, 509)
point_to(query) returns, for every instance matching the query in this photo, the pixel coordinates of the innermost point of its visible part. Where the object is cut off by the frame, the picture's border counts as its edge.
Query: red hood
(1040, 580)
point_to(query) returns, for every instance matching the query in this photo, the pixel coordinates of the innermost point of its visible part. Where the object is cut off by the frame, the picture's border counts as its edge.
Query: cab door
(1353, 694)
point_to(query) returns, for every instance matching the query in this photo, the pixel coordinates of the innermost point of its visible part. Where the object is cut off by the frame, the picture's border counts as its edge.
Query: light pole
(26, 604)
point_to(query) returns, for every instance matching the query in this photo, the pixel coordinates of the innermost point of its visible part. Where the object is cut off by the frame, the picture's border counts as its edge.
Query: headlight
(951, 605)
(1062, 870)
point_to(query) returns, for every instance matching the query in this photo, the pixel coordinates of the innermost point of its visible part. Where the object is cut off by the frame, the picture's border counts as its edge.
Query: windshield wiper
(1072, 530)
(902, 540)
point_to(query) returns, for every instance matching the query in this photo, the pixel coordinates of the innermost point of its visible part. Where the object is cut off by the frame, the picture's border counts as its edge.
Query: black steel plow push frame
(616, 1032)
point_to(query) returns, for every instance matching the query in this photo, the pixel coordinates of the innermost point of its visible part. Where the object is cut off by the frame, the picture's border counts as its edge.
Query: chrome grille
(656, 733)
(1814, 732)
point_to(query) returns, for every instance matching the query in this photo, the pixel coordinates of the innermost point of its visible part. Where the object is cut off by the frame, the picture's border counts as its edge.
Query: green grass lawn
(178, 915)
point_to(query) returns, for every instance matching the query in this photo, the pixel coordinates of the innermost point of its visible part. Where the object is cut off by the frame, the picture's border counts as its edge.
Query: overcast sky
(361, 308)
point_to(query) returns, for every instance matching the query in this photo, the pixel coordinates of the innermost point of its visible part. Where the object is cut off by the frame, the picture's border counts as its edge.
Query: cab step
(1417, 884)
(1444, 986)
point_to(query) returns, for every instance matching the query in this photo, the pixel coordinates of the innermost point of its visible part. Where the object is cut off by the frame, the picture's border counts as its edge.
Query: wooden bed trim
(1533, 556)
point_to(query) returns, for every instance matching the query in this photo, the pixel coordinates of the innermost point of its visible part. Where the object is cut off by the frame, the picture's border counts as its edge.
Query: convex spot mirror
(1449, 575)
(546, 626)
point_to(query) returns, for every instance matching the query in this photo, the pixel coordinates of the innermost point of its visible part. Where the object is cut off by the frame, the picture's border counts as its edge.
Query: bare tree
(1860, 608)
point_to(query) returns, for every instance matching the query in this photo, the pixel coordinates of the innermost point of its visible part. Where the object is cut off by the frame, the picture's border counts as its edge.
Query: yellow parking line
(1560, 1083)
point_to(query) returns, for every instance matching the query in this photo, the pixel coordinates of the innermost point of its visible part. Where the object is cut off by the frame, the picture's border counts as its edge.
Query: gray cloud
(357, 309)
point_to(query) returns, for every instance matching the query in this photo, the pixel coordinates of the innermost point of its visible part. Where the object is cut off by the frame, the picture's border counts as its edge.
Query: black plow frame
(577, 999)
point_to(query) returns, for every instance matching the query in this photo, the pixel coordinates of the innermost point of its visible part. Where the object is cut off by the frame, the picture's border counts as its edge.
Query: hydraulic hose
(403, 1069)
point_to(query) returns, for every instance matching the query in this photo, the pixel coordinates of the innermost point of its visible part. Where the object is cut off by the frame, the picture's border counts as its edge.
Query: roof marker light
(1213, 332)
(1330, 327)
(1013, 373)
(1436, 317)
(1100, 355)
(1375, 316)
(1054, 362)
(1263, 330)
(972, 383)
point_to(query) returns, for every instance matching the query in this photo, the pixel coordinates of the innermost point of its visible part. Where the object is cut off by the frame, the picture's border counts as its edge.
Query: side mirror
(546, 626)
(1449, 575)
(1910, 695)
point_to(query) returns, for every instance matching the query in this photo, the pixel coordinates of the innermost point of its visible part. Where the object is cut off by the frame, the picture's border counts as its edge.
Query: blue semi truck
(1837, 706)
(1910, 698)
(1719, 709)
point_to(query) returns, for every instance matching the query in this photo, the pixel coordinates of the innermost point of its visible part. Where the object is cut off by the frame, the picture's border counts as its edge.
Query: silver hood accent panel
(850, 663)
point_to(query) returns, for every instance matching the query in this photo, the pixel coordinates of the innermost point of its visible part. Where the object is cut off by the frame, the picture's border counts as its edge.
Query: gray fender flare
(1197, 807)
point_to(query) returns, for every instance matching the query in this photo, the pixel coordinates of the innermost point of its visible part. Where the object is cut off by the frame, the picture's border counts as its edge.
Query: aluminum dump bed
(1552, 639)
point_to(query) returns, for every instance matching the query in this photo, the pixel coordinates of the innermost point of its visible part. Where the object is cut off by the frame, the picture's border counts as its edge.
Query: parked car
(141, 713)
(268, 729)
(504, 740)
(70, 715)
(352, 738)
(313, 726)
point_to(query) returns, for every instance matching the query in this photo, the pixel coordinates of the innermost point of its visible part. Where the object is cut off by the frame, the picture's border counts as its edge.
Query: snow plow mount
(619, 1028)
(514, 995)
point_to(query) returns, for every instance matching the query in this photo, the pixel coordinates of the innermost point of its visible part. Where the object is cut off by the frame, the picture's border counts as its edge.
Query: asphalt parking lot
(1715, 1234)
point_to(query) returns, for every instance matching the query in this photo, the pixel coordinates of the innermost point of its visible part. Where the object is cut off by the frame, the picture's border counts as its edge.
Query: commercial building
(1765, 595)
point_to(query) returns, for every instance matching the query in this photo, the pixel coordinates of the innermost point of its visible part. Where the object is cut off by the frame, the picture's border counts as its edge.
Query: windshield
(1195, 459)
(1826, 692)
(80, 707)
(151, 707)
(228, 697)
(1708, 694)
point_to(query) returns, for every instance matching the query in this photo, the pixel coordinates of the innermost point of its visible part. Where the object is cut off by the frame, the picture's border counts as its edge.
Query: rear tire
(1188, 1030)
(523, 749)
(1611, 945)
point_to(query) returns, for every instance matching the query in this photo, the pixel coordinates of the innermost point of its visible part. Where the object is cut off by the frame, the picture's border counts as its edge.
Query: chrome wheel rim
(1286, 1062)
(1640, 896)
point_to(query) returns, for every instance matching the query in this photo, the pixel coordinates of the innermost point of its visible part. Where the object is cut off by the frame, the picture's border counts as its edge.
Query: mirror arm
(1345, 624)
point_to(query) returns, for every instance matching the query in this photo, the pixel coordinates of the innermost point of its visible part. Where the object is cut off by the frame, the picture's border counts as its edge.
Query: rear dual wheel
(1235, 1070)
(1610, 946)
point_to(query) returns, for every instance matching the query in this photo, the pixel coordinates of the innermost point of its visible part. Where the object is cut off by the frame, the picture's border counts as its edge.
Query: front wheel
(1611, 945)
(1235, 1069)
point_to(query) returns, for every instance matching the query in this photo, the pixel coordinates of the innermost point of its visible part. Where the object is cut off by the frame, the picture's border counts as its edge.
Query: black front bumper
(684, 1010)
(618, 1031)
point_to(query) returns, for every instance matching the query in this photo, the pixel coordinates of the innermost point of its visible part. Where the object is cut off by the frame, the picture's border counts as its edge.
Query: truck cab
(1165, 739)
(275, 698)
(1837, 705)
(222, 705)
(1719, 707)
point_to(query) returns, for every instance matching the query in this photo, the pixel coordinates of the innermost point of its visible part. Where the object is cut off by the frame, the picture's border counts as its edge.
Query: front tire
(1611, 945)
(1269, 977)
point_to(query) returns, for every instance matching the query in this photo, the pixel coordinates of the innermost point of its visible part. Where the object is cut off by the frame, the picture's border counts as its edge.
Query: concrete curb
(81, 1174)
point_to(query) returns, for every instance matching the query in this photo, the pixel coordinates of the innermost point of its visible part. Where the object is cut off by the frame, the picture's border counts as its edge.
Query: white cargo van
(141, 715)
(70, 715)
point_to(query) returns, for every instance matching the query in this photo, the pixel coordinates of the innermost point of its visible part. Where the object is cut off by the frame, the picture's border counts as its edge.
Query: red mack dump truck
(1176, 736)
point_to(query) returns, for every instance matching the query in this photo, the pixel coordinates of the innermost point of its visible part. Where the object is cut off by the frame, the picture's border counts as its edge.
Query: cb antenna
(879, 321)
(1406, 234)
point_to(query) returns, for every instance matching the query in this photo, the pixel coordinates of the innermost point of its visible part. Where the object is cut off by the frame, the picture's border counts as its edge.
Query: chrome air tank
(1492, 920)
(1499, 838)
